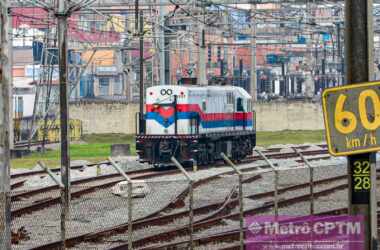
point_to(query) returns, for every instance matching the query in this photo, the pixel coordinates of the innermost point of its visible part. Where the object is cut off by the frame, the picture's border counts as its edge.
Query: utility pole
(126, 60)
(62, 16)
(340, 54)
(324, 59)
(359, 61)
(5, 86)
(253, 54)
(202, 79)
(141, 37)
(309, 81)
(161, 42)
(137, 16)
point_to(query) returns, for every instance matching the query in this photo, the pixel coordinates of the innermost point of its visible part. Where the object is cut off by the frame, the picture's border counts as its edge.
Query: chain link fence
(182, 209)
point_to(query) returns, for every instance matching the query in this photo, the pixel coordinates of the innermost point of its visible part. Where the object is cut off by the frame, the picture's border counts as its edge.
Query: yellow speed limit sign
(352, 118)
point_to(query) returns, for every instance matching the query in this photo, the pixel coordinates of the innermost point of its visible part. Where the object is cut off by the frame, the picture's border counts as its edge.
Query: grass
(97, 147)
(290, 137)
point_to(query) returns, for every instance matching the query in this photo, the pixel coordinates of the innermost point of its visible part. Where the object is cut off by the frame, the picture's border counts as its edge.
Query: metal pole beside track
(191, 199)
(141, 75)
(130, 204)
(241, 204)
(5, 128)
(62, 15)
(275, 180)
(359, 64)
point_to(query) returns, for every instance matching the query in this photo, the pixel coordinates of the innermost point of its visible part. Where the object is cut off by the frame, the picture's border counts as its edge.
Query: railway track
(218, 219)
(51, 195)
(153, 217)
(272, 153)
(206, 215)
(55, 170)
(107, 182)
(230, 237)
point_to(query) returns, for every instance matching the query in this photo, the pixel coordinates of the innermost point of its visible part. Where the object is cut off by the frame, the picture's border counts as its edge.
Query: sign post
(359, 64)
(352, 117)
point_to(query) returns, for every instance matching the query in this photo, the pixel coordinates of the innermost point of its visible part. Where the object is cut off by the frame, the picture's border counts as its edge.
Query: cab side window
(204, 105)
(239, 105)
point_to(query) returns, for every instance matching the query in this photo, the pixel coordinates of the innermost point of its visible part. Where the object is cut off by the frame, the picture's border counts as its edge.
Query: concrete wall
(105, 117)
(296, 115)
(112, 117)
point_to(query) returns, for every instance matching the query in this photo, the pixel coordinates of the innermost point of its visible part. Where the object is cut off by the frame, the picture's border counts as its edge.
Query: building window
(104, 84)
(118, 85)
(19, 107)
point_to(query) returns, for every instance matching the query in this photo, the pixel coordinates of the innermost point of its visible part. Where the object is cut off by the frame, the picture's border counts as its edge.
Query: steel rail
(199, 225)
(159, 220)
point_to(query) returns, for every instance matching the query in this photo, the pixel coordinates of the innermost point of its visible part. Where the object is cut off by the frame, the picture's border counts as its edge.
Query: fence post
(275, 180)
(130, 186)
(62, 187)
(241, 204)
(191, 198)
(311, 171)
(51, 174)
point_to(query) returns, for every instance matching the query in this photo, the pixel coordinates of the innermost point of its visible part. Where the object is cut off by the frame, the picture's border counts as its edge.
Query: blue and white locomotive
(196, 123)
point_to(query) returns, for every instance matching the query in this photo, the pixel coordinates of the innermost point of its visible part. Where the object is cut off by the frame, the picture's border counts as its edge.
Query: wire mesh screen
(107, 210)
(293, 192)
(258, 193)
(161, 206)
(35, 216)
(330, 188)
(216, 203)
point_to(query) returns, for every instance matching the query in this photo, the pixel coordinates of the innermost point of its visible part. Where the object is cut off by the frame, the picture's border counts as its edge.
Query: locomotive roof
(242, 91)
